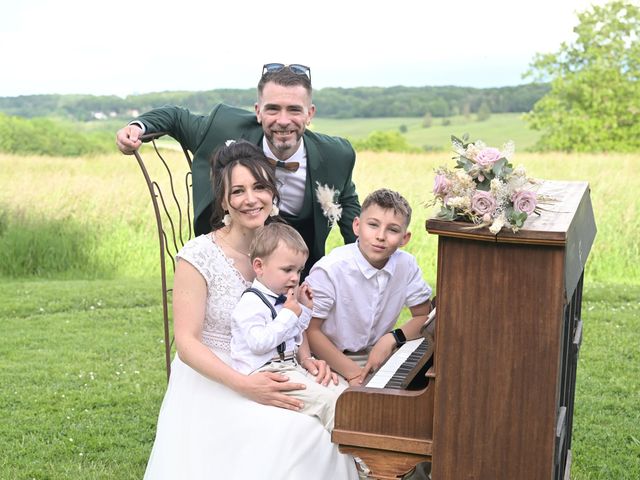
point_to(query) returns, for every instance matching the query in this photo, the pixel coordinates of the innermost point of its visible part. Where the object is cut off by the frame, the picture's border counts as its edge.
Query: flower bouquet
(484, 189)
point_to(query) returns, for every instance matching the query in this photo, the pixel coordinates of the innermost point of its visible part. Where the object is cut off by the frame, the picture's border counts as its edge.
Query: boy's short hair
(268, 238)
(388, 199)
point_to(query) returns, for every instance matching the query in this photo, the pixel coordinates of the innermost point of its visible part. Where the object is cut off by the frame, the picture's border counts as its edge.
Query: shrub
(384, 142)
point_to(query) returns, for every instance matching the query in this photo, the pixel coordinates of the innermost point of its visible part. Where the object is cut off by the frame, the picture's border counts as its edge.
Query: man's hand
(128, 139)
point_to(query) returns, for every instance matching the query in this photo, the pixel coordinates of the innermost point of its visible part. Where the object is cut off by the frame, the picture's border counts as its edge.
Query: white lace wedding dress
(208, 431)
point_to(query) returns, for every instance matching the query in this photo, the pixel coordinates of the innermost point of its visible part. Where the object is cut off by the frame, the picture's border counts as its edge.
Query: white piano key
(393, 363)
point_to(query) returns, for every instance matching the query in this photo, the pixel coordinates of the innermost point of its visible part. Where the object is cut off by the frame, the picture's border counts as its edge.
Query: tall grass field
(82, 372)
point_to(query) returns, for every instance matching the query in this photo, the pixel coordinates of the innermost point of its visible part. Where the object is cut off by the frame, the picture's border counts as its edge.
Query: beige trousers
(319, 401)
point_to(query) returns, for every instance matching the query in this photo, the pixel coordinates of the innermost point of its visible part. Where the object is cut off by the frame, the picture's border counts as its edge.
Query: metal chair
(172, 206)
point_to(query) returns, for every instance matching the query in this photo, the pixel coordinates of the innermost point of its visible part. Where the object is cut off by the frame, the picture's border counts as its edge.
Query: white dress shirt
(291, 185)
(255, 336)
(360, 303)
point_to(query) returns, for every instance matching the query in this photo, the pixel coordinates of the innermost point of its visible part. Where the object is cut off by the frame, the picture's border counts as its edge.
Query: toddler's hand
(305, 295)
(292, 302)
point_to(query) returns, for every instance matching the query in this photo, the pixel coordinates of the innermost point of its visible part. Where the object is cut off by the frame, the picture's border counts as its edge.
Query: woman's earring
(226, 219)
(274, 210)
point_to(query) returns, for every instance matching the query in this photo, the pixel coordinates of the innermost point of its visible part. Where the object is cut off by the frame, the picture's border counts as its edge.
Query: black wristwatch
(398, 335)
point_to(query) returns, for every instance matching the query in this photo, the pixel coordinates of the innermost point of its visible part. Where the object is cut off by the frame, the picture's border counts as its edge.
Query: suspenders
(281, 348)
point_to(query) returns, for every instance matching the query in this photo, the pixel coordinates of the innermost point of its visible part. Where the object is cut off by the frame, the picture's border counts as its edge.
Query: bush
(384, 142)
(427, 120)
(44, 136)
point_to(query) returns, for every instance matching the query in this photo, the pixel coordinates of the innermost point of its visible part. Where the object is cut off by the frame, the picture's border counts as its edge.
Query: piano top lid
(570, 209)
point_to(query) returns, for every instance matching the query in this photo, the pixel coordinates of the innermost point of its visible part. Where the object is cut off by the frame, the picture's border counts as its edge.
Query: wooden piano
(498, 401)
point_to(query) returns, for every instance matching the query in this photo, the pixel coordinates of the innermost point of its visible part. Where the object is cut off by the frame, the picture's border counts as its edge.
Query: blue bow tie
(281, 299)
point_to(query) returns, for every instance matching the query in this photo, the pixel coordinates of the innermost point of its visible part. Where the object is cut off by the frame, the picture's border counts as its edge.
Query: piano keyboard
(393, 373)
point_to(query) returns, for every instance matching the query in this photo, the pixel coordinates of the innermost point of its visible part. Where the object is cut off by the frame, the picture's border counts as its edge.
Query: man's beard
(283, 146)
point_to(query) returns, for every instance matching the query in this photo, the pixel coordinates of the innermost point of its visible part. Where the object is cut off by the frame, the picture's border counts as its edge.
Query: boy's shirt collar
(260, 286)
(369, 270)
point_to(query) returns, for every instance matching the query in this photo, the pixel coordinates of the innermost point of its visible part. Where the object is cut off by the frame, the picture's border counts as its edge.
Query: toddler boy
(269, 321)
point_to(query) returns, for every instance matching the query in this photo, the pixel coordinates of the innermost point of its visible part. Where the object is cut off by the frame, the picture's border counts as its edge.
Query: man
(304, 159)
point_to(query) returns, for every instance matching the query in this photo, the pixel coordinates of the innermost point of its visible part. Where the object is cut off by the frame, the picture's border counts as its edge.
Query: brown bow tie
(291, 166)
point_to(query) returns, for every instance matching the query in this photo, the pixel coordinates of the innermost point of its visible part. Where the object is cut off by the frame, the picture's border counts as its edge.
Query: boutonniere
(327, 198)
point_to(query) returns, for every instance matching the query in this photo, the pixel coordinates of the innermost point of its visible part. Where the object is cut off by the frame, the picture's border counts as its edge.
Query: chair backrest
(169, 183)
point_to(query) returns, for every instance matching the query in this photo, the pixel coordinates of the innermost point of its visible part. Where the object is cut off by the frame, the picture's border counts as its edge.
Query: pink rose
(525, 201)
(441, 185)
(483, 203)
(488, 156)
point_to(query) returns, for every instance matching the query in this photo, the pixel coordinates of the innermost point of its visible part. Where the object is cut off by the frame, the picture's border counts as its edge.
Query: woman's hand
(320, 370)
(268, 387)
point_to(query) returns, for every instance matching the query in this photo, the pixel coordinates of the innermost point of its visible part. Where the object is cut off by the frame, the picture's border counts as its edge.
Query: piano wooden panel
(501, 343)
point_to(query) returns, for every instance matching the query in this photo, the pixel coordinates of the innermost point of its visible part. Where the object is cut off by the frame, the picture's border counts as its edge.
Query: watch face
(400, 337)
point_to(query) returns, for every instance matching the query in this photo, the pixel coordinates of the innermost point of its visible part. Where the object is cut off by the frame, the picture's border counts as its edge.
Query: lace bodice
(225, 285)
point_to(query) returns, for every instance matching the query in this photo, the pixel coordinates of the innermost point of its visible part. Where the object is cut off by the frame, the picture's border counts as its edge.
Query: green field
(496, 130)
(82, 377)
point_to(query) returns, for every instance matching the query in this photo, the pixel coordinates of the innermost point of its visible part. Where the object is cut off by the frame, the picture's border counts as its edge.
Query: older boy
(267, 329)
(360, 289)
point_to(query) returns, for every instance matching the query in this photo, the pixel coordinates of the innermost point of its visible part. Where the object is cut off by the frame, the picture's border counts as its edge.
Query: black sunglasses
(294, 67)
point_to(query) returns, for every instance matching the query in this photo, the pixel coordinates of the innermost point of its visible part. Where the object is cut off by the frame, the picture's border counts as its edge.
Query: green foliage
(484, 112)
(384, 142)
(33, 246)
(427, 120)
(594, 102)
(44, 136)
(438, 107)
(361, 102)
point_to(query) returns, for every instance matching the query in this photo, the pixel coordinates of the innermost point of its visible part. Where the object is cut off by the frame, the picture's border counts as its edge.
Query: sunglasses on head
(294, 67)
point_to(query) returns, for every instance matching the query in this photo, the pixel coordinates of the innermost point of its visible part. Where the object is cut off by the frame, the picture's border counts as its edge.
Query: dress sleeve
(199, 253)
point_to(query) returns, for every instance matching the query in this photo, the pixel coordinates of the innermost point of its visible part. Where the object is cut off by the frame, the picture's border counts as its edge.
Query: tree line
(361, 102)
(584, 98)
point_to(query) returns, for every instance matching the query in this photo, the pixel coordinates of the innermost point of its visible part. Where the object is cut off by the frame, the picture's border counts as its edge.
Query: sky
(118, 47)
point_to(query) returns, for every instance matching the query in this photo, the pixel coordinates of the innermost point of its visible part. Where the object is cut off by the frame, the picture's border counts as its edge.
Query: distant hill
(362, 102)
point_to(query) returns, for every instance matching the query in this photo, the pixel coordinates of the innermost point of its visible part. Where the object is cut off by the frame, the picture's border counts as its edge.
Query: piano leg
(385, 464)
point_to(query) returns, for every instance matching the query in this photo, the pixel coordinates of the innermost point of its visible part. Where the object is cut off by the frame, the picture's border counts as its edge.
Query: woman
(216, 423)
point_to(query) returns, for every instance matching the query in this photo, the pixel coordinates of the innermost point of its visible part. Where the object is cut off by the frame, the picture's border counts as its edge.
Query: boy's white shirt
(360, 303)
(255, 335)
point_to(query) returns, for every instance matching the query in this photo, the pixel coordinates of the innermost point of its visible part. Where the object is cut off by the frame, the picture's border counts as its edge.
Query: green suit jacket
(330, 161)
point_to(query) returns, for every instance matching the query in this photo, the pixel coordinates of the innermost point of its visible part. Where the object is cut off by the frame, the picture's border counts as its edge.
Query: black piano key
(400, 375)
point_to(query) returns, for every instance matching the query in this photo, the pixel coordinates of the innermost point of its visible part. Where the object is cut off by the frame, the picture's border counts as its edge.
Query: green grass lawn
(83, 376)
